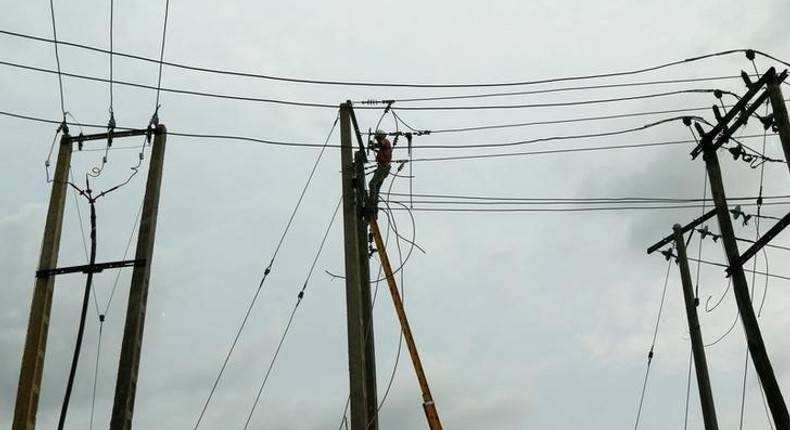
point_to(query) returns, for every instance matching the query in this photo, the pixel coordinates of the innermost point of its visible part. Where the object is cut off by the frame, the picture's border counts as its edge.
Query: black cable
(334, 106)
(299, 298)
(565, 89)
(263, 278)
(555, 104)
(427, 159)
(557, 200)
(743, 389)
(112, 6)
(82, 236)
(555, 151)
(57, 58)
(688, 390)
(83, 314)
(713, 263)
(652, 347)
(178, 91)
(566, 137)
(162, 54)
(399, 85)
(581, 209)
(565, 121)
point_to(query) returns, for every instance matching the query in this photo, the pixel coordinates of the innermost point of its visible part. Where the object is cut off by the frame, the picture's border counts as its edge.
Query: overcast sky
(523, 318)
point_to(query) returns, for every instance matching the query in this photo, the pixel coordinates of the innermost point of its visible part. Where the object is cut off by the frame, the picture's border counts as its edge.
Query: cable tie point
(750, 54)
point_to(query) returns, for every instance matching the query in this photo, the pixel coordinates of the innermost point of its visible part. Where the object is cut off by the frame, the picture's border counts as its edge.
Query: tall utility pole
(726, 125)
(129, 363)
(740, 289)
(29, 388)
(361, 353)
(697, 347)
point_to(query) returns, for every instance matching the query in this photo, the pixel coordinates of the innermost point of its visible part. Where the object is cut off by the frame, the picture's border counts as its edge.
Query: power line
(652, 347)
(566, 121)
(161, 58)
(567, 137)
(266, 272)
(398, 85)
(555, 151)
(556, 104)
(417, 208)
(334, 106)
(540, 200)
(57, 59)
(178, 91)
(556, 90)
(427, 159)
(299, 298)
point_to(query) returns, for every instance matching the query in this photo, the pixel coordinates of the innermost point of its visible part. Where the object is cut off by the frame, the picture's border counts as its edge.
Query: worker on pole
(383, 149)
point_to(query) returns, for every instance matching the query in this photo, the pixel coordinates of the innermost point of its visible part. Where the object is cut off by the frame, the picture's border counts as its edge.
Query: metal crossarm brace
(114, 134)
(87, 268)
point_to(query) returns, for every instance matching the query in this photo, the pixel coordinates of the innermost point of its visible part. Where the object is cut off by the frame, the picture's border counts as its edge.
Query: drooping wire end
(64, 126)
(152, 124)
(110, 127)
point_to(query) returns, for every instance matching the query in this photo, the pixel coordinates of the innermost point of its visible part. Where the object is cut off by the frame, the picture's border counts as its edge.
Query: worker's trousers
(382, 170)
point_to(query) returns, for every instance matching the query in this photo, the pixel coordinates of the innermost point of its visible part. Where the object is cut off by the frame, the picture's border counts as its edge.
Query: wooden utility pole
(129, 363)
(740, 289)
(697, 347)
(361, 354)
(29, 388)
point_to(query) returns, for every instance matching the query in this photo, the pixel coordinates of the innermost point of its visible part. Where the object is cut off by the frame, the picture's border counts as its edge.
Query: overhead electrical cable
(158, 88)
(400, 85)
(266, 272)
(555, 104)
(651, 353)
(178, 91)
(562, 89)
(161, 56)
(566, 137)
(83, 314)
(299, 298)
(726, 266)
(57, 58)
(417, 208)
(426, 159)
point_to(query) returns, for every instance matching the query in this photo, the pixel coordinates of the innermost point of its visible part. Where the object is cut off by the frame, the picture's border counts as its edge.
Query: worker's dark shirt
(384, 156)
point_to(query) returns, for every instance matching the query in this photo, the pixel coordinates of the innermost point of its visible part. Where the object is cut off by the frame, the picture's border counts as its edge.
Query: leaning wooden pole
(740, 288)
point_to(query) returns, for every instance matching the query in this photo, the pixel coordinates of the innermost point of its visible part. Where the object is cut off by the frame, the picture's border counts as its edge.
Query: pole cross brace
(103, 136)
(87, 268)
(757, 246)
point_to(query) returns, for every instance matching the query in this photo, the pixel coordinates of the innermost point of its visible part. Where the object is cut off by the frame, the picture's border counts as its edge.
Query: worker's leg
(376, 181)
